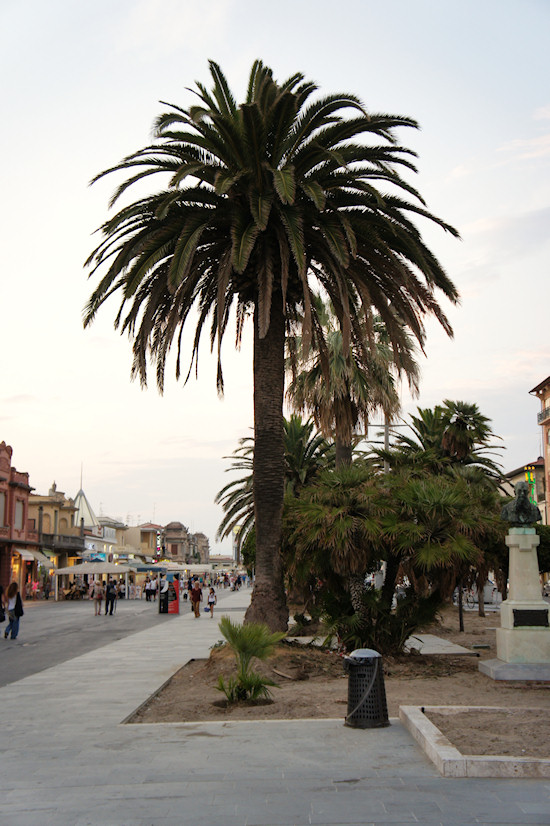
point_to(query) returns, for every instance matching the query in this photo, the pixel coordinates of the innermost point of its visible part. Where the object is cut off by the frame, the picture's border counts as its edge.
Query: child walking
(212, 600)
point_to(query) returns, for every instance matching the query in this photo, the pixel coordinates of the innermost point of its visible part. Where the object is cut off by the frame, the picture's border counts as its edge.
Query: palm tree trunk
(388, 588)
(460, 606)
(481, 578)
(356, 588)
(268, 602)
(343, 454)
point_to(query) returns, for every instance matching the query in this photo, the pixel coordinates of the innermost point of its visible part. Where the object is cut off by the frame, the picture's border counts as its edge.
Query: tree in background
(351, 520)
(306, 454)
(261, 200)
(342, 387)
(454, 440)
(452, 435)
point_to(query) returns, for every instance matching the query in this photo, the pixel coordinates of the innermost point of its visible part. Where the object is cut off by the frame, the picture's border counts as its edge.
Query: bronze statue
(521, 513)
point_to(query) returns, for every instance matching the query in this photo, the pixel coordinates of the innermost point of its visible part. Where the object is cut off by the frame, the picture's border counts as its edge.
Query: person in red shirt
(196, 598)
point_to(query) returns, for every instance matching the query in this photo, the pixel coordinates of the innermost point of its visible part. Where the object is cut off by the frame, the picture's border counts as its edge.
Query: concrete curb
(450, 762)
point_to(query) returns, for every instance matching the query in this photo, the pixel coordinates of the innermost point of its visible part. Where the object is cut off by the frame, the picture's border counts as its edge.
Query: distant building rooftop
(541, 386)
(521, 468)
(84, 511)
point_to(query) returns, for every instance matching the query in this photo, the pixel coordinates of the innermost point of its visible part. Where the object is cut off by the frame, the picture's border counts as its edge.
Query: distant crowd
(191, 590)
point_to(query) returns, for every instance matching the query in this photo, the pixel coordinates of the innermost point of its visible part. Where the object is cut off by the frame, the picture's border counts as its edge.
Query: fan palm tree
(306, 454)
(349, 520)
(263, 198)
(452, 436)
(465, 428)
(344, 386)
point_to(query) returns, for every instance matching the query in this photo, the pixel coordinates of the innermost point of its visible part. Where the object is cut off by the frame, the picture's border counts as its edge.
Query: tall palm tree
(465, 428)
(344, 386)
(263, 198)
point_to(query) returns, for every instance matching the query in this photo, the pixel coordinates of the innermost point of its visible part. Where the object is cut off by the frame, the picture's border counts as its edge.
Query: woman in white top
(212, 600)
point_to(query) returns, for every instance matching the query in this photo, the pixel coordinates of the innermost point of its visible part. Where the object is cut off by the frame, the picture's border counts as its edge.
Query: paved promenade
(67, 758)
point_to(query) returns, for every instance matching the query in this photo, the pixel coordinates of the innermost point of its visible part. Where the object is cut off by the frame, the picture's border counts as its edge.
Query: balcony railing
(543, 415)
(63, 542)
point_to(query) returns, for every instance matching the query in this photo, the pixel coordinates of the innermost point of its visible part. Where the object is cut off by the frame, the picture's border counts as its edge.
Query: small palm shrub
(247, 642)
(381, 628)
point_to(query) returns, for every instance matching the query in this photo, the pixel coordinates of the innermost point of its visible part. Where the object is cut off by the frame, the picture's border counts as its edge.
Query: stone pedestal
(523, 639)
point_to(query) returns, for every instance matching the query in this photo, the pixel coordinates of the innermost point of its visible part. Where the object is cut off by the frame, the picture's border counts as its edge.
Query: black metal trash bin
(367, 707)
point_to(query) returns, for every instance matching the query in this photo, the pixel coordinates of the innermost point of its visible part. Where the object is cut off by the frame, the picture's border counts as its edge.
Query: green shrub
(247, 642)
(383, 629)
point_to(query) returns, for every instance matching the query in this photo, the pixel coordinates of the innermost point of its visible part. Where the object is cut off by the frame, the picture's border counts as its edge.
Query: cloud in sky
(521, 235)
(194, 24)
(23, 398)
(528, 148)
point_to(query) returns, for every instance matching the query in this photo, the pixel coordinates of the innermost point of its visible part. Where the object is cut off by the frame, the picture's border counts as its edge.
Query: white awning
(30, 556)
(95, 568)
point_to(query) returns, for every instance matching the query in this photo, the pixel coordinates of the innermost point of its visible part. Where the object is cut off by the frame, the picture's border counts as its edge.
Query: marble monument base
(523, 640)
(523, 672)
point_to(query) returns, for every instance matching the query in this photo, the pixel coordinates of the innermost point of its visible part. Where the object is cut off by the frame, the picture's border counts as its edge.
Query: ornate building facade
(19, 551)
(60, 537)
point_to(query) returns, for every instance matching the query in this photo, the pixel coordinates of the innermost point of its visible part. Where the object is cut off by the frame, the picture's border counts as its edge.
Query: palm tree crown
(261, 198)
(452, 436)
(342, 387)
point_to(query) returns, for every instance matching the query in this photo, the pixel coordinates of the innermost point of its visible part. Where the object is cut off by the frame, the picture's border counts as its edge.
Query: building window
(18, 515)
(174, 550)
(2, 509)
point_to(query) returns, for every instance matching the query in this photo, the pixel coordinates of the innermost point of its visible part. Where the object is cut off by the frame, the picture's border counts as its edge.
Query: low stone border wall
(450, 762)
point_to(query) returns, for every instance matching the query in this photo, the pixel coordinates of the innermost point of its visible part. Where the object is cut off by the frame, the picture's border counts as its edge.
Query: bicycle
(468, 598)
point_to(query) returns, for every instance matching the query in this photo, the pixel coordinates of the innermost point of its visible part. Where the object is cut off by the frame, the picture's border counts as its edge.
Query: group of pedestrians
(150, 588)
(194, 588)
(100, 592)
(11, 603)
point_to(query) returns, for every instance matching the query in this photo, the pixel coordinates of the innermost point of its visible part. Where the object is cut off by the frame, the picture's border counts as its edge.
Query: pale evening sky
(81, 85)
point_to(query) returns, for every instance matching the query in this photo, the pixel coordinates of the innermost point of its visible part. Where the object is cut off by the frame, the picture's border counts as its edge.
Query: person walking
(212, 600)
(3, 604)
(15, 611)
(97, 596)
(110, 597)
(196, 599)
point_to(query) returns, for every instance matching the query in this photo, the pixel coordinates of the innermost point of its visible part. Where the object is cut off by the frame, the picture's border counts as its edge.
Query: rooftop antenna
(81, 467)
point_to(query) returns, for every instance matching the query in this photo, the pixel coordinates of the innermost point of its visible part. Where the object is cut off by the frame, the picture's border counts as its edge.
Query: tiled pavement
(68, 759)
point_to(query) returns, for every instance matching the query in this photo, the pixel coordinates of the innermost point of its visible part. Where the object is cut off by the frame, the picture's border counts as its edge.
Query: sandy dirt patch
(313, 685)
(512, 732)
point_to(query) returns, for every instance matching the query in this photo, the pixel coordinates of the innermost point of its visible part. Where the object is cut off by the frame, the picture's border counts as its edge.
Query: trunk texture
(357, 587)
(460, 606)
(343, 454)
(481, 579)
(268, 604)
(393, 564)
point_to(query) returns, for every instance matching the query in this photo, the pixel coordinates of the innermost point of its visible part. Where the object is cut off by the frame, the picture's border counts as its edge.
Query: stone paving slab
(423, 643)
(431, 644)
(66, 758)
